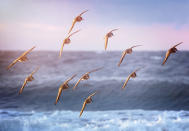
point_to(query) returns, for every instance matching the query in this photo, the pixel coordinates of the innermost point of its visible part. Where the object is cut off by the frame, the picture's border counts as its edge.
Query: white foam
(137, 120)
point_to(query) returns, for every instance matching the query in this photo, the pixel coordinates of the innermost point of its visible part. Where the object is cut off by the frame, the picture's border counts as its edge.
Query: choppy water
(157, 99)
(127, 120)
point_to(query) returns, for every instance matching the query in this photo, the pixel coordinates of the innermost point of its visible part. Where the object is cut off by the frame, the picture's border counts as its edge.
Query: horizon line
(91, 50)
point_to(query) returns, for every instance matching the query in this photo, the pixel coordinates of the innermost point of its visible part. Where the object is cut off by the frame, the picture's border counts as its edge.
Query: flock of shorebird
(85, 76)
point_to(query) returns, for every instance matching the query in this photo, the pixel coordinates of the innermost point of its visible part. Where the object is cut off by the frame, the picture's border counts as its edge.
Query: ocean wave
(138, 120)
(156, 87)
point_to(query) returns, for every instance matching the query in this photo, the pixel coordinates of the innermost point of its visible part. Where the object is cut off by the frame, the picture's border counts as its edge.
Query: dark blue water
(161, 92)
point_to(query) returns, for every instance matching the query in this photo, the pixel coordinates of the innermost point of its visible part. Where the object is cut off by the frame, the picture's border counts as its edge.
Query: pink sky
(49, 37)
(45, 24)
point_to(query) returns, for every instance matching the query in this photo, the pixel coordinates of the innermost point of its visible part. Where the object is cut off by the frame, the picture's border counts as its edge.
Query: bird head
(129, 51)
(133, 75)
(79, 18)
(110, 34)
(174, 49)
(67, 41)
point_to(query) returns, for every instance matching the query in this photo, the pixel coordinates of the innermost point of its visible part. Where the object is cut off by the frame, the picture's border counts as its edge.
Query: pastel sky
(156, 24)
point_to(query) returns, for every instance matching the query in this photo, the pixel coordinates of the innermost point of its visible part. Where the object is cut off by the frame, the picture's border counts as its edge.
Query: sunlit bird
(62, 87)
(127, 51)
(132, 75)
(85, 77)
(170, 51)
(87, 101)
(21, 58)
(28, 79)
(67, 41)
(77, 19)
(107, 36)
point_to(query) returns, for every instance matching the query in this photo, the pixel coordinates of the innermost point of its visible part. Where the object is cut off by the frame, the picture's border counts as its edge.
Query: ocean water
(156, 100)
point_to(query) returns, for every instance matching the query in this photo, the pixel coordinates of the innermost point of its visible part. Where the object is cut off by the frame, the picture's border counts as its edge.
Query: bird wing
(166, 56)
(71, 78)
(28, 51)
(137, 70)
(91, 95)
(34, 71)
(77, 83)
(124, 85)
(73, 33)
(83, 107)
(113, 30)
(106, 41)
(122, 57)
(23, 54)
(13, 63)
(83, 12)
(61, 49)
(21, 89)
(177, 44)
(97, 69)
(58, 95)
(135, 46)
(73, 23)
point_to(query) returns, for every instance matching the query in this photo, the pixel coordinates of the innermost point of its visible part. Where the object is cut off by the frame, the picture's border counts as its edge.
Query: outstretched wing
(166, 57)
(73, 33)
(113, 30)
(73, 23)
(177, 44)
(25, 53)
(34, 71)
(122, 57)
(13, 63)
(138, 69)
(97, 69)
(83, 107)
(83, 12)
(106, 41)
(135, 46)
(71, 78)
(22, 88)
(58, 95)
(92, 95)
(77, 83)
(124, 85)
(61, 49)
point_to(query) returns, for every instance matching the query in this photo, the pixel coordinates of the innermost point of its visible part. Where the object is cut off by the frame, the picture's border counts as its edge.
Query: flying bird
(132, 75)
(21, 58)
(170, 51)
(28, 79)
(67, 41)
(107, 36)
(77, 19)
(85, 76)
(87, 101)
(62, 87)
(127, 51)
